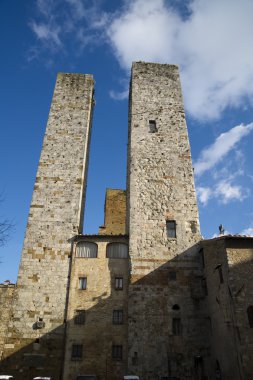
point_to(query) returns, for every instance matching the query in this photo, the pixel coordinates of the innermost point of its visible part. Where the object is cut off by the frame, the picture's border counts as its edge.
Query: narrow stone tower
(162, 221)
(36, 336)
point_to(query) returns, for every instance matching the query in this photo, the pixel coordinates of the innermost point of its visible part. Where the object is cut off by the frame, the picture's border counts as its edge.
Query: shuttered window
(117, 251)
(86, 249)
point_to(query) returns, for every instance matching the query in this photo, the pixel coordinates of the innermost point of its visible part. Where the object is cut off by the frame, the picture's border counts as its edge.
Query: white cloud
(49, 34)
(204, 194)
(224, 191)
(247, 231)
(212, 46)
(223, 144)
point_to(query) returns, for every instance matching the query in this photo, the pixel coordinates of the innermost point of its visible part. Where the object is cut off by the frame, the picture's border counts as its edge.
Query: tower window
(171, 228)
(79, 318)
(172, 276)
(152, 126)
(250, 316)
(176, 326)
(77, 352)
(82, 283)
(117, 317)
(119, 283)
(117, 351)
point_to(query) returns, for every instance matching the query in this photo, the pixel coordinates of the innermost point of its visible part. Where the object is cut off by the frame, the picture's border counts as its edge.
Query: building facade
(146, 295)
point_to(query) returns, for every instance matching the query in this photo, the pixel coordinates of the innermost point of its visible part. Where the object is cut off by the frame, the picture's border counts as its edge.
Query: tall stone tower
(36, 336)
(163, 224)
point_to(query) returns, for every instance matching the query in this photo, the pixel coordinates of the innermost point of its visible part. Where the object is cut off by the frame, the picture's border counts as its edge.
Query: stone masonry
(145, 296)
(161, 191)
(56, 215)
(115, 213)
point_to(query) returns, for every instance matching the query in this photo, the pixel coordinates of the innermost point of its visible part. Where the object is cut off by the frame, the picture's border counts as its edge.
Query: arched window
(175, 307)
(250, 316)
(117, 251)
(86, 249)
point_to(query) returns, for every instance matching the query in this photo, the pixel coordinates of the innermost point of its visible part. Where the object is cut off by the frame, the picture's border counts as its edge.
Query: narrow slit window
(171, 228)
(119, 283)
(152, 126)
(117, 352)
(176, 326)
(79, 318)
(117, 317)
(82, 283)
(77, 352)
(250, 316)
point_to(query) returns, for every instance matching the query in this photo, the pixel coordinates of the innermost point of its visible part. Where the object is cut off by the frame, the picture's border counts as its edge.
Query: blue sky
(211, 41)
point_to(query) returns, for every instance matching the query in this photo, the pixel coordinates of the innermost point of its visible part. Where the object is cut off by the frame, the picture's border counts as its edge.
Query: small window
(117, 317)
(152, 126)
(171, 228)
(220, 273)
(175, 307)
(117, 251)
(117, 352)
(79, 318)
(119, 283)
(250, 316)
(77, 352)
(176, 326)
(82, 283)
(172, 276)
(86, 249)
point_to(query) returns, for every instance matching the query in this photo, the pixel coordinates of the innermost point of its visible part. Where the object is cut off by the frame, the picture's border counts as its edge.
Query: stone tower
(163, 224)
(56, 215)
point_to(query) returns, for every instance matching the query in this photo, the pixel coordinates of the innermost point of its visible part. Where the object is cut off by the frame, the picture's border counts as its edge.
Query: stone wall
(165, 270)
(36, 332)
(98, 333)
(6, 305)
(115, 213)
(228, 266)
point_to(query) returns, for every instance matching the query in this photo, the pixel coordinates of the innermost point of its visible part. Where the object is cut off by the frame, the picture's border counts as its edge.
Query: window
(82, 283)
(117, 251)
(171, 228)
(152, 126)
(117, 352)
(119, 283)
(219, 268)
(86, 249)
(172, 276)
(117, 317)
(175, 307)
(250, 316)
(176, 326)
(79, 318)
(77, 352)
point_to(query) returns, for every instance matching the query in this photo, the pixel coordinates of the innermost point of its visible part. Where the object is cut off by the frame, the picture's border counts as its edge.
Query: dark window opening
(171, 228)
(152, 126)
(82, 283)
(250, 316)
(117, 317)
(119, 283)
(219, 268)
(175, 307)
(204, 286)
(117, 351)
(202, 259)
(135, 359)
(79, 318)
(77, 352)
(176, 326)
(172, 276)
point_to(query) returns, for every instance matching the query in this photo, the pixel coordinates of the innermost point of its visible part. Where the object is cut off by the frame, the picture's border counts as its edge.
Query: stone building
(146, 295)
